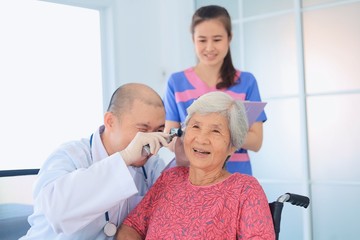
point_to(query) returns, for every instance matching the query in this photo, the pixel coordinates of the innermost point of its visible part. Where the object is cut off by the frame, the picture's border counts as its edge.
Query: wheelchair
(276, 207)
(17, 225)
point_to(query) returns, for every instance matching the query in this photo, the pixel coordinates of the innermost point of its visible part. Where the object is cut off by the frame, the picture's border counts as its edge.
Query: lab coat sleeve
(72, 197)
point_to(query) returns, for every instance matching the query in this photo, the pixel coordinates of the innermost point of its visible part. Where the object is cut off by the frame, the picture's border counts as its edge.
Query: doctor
(86, 188)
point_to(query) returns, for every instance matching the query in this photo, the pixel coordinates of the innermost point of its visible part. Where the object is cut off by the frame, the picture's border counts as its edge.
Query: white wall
(152, 40)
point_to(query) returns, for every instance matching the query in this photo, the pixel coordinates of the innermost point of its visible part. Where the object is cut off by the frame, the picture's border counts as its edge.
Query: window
(51, 87)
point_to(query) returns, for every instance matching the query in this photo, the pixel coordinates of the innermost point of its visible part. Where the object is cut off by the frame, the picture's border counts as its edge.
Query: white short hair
(223, 103)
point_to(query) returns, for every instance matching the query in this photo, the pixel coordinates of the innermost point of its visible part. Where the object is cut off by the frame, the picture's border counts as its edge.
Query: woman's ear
(232, 150)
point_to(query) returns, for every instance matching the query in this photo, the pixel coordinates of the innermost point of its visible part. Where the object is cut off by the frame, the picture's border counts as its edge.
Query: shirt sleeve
(71, 197)
(171, 109)
(255, 221)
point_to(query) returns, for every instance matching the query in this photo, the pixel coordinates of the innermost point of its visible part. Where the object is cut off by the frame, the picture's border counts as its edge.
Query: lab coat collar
(98, 150)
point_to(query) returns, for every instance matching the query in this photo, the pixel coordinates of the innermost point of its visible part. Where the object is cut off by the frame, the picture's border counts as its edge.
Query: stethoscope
(110, 228)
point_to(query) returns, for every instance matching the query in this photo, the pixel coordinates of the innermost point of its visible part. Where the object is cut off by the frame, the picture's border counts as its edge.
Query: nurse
(86, 188)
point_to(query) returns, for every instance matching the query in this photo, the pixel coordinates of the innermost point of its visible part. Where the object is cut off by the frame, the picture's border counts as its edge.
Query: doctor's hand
(133, 154)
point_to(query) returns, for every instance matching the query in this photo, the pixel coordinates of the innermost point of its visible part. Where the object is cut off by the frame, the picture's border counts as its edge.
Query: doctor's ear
(109, 119)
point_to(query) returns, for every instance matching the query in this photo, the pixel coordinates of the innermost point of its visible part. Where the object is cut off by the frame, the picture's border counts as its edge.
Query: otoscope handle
(174, 132)
(145, 150)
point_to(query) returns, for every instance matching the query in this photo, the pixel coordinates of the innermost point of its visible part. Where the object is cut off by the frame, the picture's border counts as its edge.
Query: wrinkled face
(207, 141)
(211, 42)
(141, 118)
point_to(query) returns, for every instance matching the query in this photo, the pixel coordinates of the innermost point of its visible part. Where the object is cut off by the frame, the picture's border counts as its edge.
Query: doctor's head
(134, 107)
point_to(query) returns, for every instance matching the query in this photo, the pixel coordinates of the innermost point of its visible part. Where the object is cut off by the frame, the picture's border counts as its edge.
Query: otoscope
(174, 132)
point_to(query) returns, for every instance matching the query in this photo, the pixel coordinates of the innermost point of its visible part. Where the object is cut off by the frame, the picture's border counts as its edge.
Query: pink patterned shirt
(235, 208)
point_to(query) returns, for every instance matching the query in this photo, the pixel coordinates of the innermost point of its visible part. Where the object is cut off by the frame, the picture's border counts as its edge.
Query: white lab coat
(78, 184)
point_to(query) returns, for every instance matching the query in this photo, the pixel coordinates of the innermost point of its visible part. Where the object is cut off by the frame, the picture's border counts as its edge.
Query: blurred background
(61, 60)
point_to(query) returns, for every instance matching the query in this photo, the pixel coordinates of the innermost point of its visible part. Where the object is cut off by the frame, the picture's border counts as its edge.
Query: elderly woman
(204, 201)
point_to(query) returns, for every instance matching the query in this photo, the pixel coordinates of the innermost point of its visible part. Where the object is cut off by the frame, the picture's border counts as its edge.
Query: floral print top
(236, 208)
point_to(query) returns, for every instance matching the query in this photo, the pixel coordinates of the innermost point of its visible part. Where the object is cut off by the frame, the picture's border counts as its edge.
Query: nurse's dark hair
(210, 12)
(123, 98)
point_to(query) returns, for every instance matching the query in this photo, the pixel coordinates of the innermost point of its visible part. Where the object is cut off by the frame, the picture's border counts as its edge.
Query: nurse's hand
(133, 154)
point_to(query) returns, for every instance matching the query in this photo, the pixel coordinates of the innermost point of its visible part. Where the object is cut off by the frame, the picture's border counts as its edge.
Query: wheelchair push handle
(294, 199)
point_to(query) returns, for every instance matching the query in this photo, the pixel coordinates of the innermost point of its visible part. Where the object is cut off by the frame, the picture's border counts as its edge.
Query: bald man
(86, 188)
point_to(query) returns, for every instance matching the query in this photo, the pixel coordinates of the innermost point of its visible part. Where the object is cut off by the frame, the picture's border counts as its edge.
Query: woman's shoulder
(244, 75)
(180, 74)
(245, 79)
(176, 172)
(182, 81)
(244, 180)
